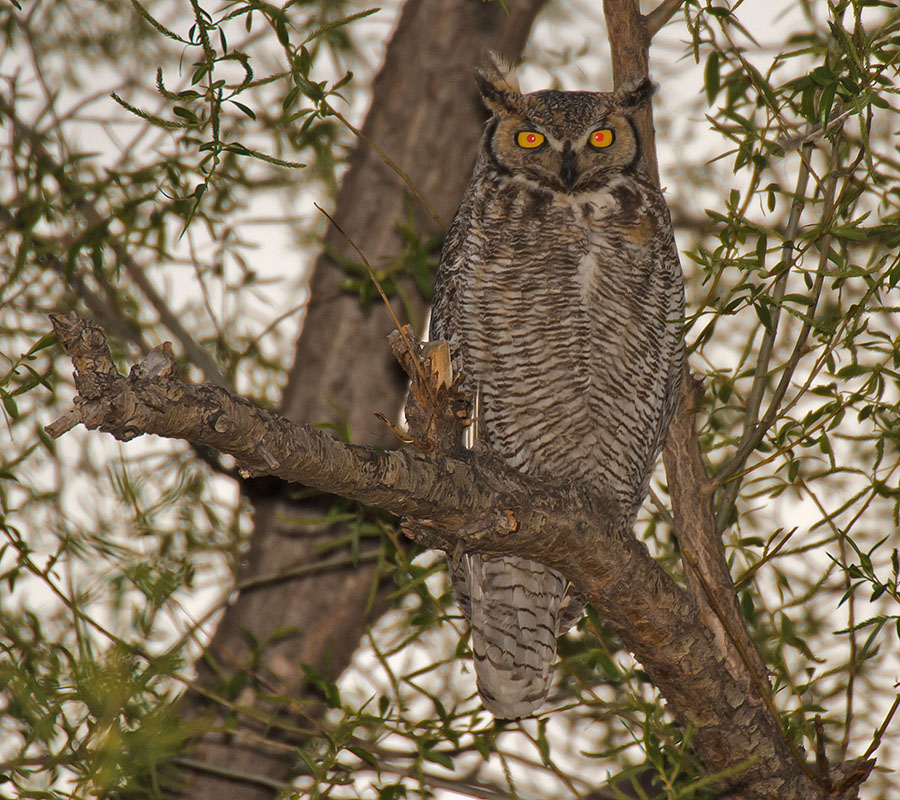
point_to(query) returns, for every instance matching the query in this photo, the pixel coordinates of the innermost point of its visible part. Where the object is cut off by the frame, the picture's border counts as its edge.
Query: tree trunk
(426, 115)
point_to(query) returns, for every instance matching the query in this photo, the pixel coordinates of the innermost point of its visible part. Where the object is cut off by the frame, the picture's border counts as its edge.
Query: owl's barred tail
(517, 608)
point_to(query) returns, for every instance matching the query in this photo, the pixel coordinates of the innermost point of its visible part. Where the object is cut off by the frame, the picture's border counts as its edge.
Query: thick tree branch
(659, 16)
(471, 501)
(444, 495)
(629, 41)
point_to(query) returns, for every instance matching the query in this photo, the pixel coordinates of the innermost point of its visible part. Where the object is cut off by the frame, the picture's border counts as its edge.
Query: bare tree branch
(471, 501)
(659, 16)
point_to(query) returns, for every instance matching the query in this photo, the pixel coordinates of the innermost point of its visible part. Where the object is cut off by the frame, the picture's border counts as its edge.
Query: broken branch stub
(436, 410)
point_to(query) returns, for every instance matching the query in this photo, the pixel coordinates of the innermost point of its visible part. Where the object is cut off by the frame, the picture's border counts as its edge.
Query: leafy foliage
(111, 558)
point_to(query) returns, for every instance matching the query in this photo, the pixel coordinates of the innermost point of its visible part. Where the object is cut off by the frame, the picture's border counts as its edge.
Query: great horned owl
(560, 293)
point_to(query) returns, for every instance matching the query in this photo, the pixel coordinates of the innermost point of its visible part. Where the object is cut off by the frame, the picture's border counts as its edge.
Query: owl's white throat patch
(598, 203)
(591, 207)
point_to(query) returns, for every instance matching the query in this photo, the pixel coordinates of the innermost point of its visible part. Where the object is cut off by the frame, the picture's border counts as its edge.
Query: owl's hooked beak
(569, 172)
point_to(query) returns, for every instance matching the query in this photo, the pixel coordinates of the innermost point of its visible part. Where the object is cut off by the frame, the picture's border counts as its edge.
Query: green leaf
(363, 754)
(281, 31)
(609, 668)
(9, 404)
(846, 232)
(186, 113)
(248, 111)
(762, 311)
(393, 791)
(348, 76)
(852, 370)
(747, 607)
(438, 758)
(762, 244)
(542, 744)
(304, 61)
(826, 100)
(802, 299)
(711, 77)
(290, 98)
(46, 340)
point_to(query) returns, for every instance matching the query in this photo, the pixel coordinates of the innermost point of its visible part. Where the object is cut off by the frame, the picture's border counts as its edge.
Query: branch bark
(471, 501)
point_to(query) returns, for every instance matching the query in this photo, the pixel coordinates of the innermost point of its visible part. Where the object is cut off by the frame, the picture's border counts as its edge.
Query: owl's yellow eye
(529, 139)
(602, 138)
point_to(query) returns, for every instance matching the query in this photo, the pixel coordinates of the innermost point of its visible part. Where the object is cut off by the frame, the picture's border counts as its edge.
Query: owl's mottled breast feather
(564, 314)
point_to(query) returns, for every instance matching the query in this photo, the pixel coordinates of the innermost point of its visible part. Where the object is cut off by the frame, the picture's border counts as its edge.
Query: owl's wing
(673, 342)
(444, 308)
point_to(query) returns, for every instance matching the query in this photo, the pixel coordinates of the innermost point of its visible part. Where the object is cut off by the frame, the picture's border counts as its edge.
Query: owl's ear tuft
(498, 85)
(632, 96)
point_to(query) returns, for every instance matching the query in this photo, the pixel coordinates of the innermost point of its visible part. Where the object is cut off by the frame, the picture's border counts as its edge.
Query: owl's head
(565, 141)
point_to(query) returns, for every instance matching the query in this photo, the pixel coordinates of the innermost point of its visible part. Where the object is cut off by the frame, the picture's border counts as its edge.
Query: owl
(560, 293)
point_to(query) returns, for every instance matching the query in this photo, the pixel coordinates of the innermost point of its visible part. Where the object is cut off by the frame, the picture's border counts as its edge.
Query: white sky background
(683, 142)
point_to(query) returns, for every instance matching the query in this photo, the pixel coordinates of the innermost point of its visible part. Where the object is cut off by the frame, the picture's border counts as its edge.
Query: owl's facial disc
(556, 153)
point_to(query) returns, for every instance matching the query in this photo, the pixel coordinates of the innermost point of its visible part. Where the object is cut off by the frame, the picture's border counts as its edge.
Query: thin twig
(339, 562)
(390, 163)
(767, 557)
(821, 757)
(876, 739)
(656, 19)
(231, 775)
(852, 666)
